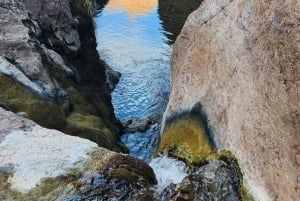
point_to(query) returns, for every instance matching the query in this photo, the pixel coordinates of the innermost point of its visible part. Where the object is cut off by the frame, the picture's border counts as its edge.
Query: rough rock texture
(50, 70)
(241, 60)
(215, 181)
(42, 164)
(19, 48)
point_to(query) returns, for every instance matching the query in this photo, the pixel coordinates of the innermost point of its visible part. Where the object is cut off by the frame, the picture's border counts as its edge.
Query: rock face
(50, 70)
(42, 164)
(240, 60)
(215, 181)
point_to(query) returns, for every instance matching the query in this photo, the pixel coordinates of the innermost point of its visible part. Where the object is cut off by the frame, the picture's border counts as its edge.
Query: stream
(132, 41)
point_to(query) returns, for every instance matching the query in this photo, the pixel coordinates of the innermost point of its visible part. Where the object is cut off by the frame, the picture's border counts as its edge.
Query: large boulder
(42, 164)
(240, 60)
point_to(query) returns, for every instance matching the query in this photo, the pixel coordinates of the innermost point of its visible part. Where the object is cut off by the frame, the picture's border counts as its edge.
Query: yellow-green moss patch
(186, 138)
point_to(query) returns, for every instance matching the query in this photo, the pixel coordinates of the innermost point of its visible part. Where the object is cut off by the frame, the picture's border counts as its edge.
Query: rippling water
(131, 40)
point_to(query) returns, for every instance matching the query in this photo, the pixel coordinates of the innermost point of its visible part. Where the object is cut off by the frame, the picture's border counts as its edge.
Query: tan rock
(241, 60)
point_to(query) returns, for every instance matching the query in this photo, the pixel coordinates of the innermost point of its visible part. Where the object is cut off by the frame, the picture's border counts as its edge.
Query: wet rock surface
(215, 181)
(135, 125)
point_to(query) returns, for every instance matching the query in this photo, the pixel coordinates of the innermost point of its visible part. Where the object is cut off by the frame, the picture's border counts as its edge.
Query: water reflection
(131, 7)
(138, 49)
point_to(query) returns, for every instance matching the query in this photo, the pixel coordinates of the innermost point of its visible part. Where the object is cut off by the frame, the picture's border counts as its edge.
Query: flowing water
(131, 40)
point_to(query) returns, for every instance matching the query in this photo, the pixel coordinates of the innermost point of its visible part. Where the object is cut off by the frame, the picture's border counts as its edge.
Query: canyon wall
(50, 70)
(241, 60)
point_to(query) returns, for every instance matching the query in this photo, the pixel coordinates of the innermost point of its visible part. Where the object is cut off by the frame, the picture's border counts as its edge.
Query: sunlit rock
(240, 59)
(38, 163)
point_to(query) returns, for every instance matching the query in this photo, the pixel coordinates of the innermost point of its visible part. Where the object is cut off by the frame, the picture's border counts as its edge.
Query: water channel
(132, 41)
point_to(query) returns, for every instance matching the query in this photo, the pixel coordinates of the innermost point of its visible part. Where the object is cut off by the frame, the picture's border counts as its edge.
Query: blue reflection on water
(137, 47)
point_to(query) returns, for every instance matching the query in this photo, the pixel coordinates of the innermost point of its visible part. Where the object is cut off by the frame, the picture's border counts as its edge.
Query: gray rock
(132, 125)
(112, 77)
(23, 61)
(214, 181)
(56, 16)
(56, 58)
(13, 72)
(37, 163)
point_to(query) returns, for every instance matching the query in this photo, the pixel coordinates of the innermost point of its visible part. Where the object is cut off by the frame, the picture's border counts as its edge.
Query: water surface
(131, 40)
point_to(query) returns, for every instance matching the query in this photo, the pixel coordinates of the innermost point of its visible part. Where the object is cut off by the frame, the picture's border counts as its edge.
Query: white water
(167, 171)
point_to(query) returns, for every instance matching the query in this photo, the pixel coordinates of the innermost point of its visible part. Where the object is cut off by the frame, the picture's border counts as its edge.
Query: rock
(133, 125)
(12, 71)
(17, 46)
(240, 60)
(215, 181)
(38, 163)
(57, 16)
(10, 122)
(56, 58)
(112, 77)
(50, 68)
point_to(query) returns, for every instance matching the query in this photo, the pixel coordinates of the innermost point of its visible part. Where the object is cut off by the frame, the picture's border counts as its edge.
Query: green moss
(245, 196)
(19, 99)
(91, 127)
(85, 121)
(187, 139)
(81, 104)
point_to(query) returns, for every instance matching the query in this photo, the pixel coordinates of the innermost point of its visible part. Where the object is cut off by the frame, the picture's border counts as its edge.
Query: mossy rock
(186, 138)
(89, 105)
(91, 127)
(104, 174)
(85, 121)
(17, 98)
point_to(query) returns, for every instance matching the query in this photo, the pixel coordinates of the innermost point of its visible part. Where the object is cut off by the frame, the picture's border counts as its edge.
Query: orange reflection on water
(133, 7)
